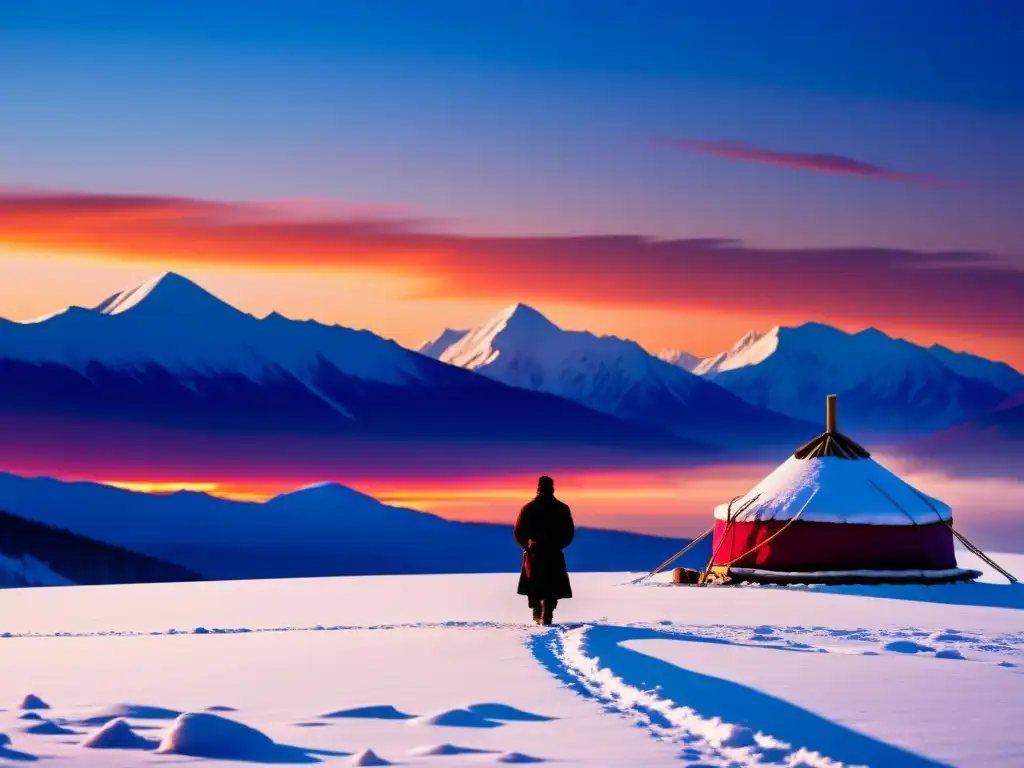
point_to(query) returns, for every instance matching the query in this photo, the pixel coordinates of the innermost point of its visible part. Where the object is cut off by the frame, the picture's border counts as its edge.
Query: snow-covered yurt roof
(832, 479)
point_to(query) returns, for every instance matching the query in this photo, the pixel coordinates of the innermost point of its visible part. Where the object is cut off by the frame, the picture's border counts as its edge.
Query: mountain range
(164, 368)
(886, 386)
(322, 530)
(165, 375)
(522, 348)
(889, 388)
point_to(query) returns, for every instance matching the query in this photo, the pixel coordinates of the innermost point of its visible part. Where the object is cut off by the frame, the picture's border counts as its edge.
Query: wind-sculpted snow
(203, 734)
(118, 734)
(448, 670)
(715, 722)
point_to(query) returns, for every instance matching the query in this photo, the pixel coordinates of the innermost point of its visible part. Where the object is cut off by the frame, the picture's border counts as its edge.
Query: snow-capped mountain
(886, 385)
(169, 353)
(747, 351)
(680, 358)
(434, 347)
(521, 347)
(321, 530)
(172, 323)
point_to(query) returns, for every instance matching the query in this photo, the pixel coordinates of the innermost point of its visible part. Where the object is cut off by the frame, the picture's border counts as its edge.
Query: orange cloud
(971, 293)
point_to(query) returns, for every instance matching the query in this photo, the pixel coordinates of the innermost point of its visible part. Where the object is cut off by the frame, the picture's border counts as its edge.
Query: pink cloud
(805, 161)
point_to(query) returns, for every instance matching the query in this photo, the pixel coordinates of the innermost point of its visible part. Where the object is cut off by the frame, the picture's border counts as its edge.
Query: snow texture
(834, 490)
(655, 675)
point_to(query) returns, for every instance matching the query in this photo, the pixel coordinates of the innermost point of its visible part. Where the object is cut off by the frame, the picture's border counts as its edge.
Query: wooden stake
(830, 414)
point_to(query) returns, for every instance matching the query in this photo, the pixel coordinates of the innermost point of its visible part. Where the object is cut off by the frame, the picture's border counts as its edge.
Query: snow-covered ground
(444, 671)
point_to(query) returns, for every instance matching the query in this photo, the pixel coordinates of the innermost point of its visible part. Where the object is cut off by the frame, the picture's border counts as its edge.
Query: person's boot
(538, 612)
(547, 613)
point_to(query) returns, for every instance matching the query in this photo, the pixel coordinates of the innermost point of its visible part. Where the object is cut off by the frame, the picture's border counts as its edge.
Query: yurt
(831, 513)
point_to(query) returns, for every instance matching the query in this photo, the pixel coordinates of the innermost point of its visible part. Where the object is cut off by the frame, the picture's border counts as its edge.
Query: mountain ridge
(167, 352)
(886, 385)
(327, 530)
(520, 347)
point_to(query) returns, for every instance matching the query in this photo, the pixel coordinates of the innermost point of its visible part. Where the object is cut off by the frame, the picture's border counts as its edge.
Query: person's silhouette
(543, 529)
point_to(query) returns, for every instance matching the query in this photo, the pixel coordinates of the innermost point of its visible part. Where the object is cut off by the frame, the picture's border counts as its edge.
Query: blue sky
(535, 117)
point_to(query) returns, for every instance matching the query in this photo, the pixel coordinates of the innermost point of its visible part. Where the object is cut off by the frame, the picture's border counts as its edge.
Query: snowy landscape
(611, 385)
(446, 671)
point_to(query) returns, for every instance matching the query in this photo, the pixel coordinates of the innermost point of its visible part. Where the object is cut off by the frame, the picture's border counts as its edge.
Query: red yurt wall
(808, 546)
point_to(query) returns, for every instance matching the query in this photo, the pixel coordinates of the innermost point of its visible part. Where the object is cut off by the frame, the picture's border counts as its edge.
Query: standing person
(543, 529)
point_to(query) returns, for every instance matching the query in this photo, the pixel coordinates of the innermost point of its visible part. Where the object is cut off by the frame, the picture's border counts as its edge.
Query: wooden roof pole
(830, 414)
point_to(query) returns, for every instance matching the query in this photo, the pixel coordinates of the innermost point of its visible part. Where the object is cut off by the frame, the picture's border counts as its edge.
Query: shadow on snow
(711, 697)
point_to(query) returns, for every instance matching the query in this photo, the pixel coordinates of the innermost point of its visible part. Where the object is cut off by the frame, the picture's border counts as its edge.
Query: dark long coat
(543, 529)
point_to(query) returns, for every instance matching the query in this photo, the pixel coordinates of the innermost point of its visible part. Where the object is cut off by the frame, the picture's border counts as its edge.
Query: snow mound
(950, 653)
(518, 758)
(456, 718)
(33, 702)
(506, 713)
(30, 716)
(117, 734)
(949, 636)
(48, 728)
(382, 712)
(368, 757)
(907, 646)
(220, 708)
(202, 734)
(445, 750)
(129, 712)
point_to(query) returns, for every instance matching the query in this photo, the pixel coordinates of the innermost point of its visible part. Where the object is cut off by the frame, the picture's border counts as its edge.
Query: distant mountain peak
(436, 346)
(522, 316)
(679, 358)
(873, 333)
(752, 337)
(752, 348)
(167, 292)
(514, 326)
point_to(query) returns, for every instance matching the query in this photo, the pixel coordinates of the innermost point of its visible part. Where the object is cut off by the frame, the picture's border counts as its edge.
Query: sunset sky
(677, 173)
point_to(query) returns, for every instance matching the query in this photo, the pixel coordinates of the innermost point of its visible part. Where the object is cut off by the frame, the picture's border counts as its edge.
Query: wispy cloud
(805, 161)
(971, 292)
